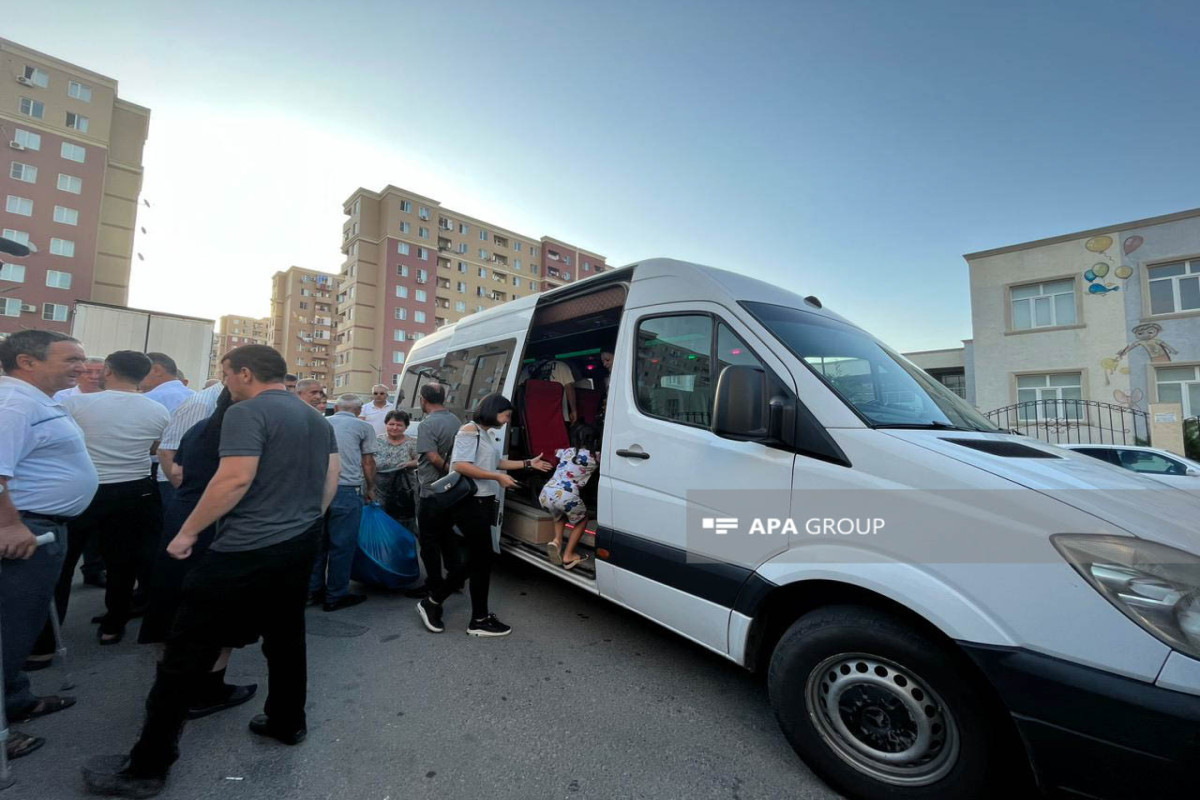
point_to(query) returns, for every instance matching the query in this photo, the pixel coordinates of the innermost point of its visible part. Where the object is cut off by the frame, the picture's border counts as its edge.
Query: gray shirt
(480, 449)
(435, 434)
(293, 447)
(355, 439)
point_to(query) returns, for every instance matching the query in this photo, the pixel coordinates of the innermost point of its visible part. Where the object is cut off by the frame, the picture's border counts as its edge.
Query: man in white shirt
(375, 411)
(162, 385)
(46, 478)
(121, 427)
(88, 383)
(199, 407)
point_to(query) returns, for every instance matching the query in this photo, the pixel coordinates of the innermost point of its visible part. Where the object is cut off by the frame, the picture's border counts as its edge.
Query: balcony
(500, 297)
(443, 245)
(500, 241)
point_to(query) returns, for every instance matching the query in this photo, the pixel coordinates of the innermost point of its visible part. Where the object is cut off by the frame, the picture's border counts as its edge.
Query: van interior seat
(587, 404)
(542, 419)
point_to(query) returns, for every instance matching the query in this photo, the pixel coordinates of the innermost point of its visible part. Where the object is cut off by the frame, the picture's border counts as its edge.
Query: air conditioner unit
(28, 307)
(16, 145)
(21, 79)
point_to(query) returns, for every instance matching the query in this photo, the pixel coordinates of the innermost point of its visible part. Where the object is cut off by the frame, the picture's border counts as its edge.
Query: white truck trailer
(104, 328)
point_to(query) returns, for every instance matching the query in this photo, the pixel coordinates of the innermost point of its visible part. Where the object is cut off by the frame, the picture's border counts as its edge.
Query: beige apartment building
(235, 331)
(412, 266)
(302, 320)
(70, 186)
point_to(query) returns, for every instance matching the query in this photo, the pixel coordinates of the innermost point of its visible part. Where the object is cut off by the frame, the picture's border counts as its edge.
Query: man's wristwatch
(527, 463)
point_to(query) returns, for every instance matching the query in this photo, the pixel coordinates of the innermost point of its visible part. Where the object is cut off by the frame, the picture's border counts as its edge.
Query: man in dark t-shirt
(278, 472)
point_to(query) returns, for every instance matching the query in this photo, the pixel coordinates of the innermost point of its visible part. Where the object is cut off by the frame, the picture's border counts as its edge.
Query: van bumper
(1095, 734)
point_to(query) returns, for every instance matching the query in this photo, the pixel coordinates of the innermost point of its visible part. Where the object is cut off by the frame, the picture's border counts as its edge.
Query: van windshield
(883, 387)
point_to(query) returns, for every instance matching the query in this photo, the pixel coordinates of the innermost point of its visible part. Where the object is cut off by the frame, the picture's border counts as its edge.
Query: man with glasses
(375, 411)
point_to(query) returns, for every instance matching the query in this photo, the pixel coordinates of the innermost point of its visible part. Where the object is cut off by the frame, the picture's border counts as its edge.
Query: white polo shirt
(119, 429)
(42, 453)
(374, 417)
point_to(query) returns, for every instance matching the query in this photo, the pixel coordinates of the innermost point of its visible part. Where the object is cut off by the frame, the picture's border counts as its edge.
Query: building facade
(235, 331)
(1109, 315)
(302, 323)
(71, 182)
(951, 367)
(412, 266)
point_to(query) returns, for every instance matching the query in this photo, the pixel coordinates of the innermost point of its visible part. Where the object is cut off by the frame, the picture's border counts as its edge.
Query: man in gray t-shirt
(330, 581)
(435, 440)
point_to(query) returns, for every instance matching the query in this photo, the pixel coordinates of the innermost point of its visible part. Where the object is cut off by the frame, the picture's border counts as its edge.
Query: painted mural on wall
(1097, 274)
(1129, 399)
(1158, 351)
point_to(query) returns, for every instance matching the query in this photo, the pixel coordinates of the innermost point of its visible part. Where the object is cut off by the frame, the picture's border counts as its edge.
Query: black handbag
(449, 490)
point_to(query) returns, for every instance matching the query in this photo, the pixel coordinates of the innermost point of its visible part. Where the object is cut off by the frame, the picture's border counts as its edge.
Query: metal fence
(1075, 422)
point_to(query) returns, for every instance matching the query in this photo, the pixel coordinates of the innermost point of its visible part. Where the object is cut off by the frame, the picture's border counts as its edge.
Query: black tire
(967, 744)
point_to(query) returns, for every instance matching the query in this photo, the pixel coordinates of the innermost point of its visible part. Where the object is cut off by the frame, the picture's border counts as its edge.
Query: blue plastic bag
(386, 555)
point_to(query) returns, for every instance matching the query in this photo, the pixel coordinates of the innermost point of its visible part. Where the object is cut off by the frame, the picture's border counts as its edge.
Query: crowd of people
(218, 515)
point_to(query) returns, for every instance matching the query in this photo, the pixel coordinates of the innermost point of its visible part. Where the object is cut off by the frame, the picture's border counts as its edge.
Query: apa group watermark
(786, 526)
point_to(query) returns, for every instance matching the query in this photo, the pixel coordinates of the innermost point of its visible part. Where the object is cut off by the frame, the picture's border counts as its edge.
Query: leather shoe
(344, 602)
(235, 697)
(315, 598)
(111, 775)
(263, 727)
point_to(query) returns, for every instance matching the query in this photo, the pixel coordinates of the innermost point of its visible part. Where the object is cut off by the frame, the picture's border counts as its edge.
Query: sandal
(21, 744)
(575, 562)
(49, 704)
(555, 553)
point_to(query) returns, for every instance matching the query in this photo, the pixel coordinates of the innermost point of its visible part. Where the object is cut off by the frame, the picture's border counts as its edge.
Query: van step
(533, 525)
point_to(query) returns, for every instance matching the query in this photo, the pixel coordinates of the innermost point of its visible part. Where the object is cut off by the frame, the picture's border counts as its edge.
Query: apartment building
(1109, 315)
(235, 331)
(70, 187)
(412, 266)
(302, 323)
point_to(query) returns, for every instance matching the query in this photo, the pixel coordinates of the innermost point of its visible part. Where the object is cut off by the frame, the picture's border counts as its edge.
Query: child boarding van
(942, 609)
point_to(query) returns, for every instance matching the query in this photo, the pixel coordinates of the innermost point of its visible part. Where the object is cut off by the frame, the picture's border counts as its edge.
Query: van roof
(702, 283)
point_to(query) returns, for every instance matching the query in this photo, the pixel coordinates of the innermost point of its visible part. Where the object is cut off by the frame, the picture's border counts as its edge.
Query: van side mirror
(741, 408)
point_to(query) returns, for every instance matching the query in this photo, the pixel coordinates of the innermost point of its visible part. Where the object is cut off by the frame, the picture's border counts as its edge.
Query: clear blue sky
(853, 150)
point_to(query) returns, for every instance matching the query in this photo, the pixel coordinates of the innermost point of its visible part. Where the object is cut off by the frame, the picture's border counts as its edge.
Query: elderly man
(330, 583)
(89, 381)
(376, 411)
(312, 392)
(46, 479)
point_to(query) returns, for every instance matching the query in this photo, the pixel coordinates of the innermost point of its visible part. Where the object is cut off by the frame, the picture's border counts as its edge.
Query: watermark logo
(719, 525)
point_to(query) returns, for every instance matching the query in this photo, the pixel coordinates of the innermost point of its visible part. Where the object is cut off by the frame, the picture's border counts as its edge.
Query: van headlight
(1156, 586)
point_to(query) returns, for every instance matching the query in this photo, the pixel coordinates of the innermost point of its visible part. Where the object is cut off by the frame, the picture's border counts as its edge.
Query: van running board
(533, 555)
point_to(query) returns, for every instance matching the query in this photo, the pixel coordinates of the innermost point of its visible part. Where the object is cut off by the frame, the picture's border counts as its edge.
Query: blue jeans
(336, 552)
(26, 588)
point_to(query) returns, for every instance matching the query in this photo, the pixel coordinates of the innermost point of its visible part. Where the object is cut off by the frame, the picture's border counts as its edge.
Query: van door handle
(633, 454)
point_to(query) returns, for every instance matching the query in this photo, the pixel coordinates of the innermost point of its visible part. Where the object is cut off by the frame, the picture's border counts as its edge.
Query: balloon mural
(1096, 274)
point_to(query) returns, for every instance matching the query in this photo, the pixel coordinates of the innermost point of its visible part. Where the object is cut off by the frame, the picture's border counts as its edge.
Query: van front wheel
(879, 709)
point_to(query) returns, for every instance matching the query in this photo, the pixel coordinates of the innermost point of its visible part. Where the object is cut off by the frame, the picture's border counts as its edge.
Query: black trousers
(229, 600)
(440, 548)
(119, 517)
(474, 517)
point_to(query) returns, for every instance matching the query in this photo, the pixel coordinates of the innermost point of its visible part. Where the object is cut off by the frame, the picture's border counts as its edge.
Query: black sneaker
(488, 626)
(431, 615)
(114, 776)
(346, 601)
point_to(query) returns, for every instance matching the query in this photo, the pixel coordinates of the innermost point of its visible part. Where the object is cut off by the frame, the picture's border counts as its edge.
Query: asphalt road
(583, 700)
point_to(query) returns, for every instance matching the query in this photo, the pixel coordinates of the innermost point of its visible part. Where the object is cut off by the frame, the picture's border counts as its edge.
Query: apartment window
(516, 263)
(398, 335)
(533, 286)
(482, 235)
(69, 183)
(422, 254)
(10, 307)
(73, 152)
(77, 122)
(19, 205)
(54, 311)
(460, 306)
(483, 254)
(587, 267)
(1179, 385)
(418, 316)
(534, 250)
(421, 297)
(423, 232)
(464, 228)
(423, 213)
(478, 308)
(33, 108)
(406, 206)
(483, 272)
(58, 280)
(517, 246)
(1174, 287)
(516, 281)
(462, 249)
(358, 206)
(1049, 397)
(12, 272)
(402, 292)
(397, 356)
(79, 91)
(406, 227)
(339, 381)
(402, 313)
(402, 271)
(402, 248)
(422, 276)
(23, 172)
(38, 77)
(461, 287)
(67, 216)
(28, 139)
(303, 306)
(1043, 305)
(533, 268)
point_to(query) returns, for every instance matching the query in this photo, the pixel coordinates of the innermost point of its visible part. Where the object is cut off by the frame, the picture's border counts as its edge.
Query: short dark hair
(165, 361)
(490, 409)
(403, 416)
(433, 393)
(33, 343)
(290, 377)
(264, 363)
(585, 437)
(129, 364)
